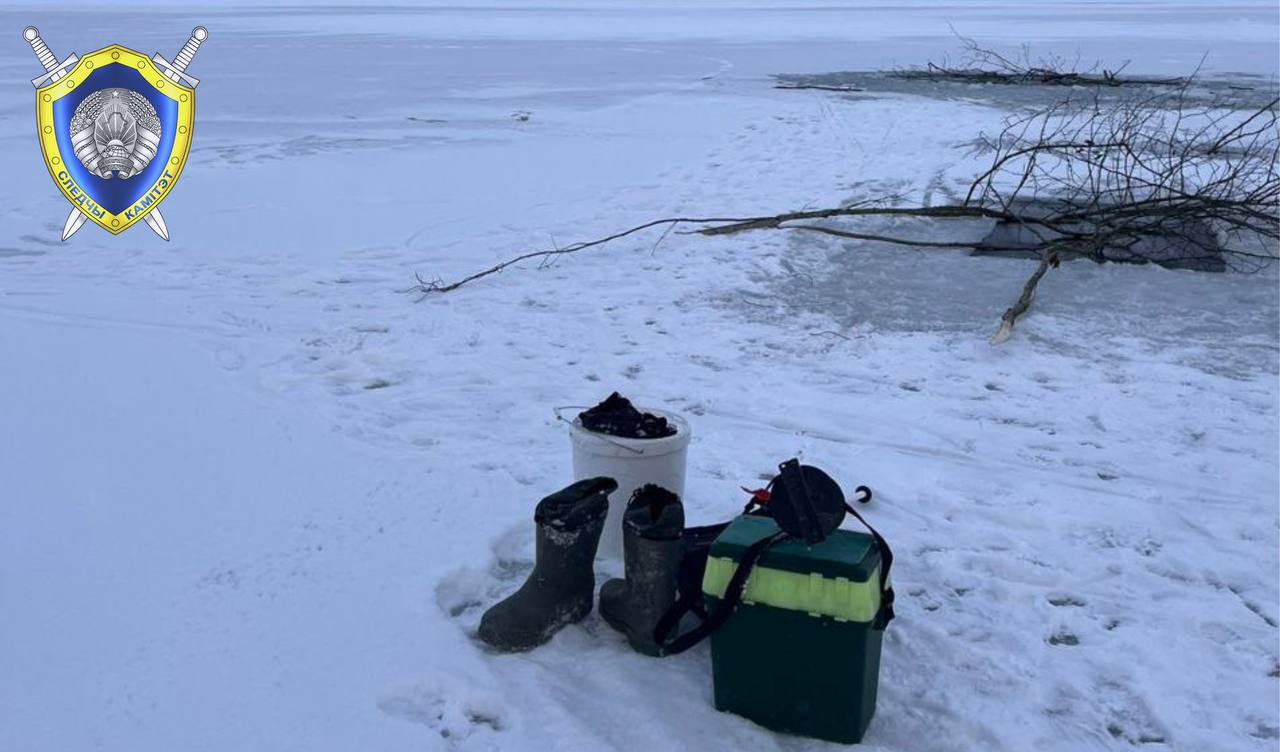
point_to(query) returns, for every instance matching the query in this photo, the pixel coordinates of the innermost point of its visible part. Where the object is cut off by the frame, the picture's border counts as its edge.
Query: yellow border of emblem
(176, 158)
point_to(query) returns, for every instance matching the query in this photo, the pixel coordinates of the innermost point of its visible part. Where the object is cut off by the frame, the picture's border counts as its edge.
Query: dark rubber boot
(652, 550)
(561, 586)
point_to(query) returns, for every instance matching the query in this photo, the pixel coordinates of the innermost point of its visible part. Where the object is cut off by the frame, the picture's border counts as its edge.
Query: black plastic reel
(806, 502)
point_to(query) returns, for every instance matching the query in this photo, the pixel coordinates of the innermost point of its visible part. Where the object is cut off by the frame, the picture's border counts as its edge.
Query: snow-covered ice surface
(254, 498)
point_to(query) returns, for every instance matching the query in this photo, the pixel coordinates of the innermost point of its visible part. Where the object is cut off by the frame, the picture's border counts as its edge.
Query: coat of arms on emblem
(115, 129)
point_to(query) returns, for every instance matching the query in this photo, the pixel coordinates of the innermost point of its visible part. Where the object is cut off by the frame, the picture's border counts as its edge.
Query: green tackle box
(799, 654)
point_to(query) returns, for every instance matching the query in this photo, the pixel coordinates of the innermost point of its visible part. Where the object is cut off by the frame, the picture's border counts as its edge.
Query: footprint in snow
(1064, 638)
(463, 592)
(1126, 714)
(1265, 731)
(1061, 601)
(458, 713)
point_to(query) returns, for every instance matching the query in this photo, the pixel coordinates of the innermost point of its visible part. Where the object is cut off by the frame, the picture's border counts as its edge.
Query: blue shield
(115, 132)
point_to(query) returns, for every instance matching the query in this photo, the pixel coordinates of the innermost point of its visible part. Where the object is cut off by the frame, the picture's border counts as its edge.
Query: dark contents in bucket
(616, 416)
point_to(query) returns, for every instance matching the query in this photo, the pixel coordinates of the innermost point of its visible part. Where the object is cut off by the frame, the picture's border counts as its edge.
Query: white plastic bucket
(631, 462)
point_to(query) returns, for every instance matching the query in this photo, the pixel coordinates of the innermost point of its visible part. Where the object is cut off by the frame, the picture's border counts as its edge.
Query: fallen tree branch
(946, 211)
(905, 241)
(983, 65)
(1024, 300)
(818, 87)
(732, 225)
(1144, 179)
(427, 287)
(1040, 76)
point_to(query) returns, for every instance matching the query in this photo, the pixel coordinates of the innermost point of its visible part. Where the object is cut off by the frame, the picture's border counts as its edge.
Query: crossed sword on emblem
(175, 71)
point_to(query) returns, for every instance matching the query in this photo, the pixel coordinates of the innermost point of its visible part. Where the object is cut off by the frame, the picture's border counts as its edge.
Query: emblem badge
(115, 129)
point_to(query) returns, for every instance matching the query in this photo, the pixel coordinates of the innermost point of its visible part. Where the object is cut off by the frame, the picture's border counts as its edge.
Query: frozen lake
(253, 496)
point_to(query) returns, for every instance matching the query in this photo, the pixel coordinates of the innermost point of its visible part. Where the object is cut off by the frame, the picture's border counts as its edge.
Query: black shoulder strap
(691, 601)
(724, 609)
(885, 615)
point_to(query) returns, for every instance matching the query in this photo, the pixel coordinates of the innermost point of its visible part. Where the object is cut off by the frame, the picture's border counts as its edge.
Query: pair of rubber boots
(561, 586)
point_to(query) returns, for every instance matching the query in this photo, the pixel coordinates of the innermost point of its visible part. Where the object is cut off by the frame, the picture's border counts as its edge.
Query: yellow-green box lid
(845, 553)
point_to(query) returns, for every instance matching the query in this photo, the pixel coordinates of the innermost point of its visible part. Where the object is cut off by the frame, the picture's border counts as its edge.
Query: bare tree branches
(1151, 178)
(981, 65)
(1145, 179)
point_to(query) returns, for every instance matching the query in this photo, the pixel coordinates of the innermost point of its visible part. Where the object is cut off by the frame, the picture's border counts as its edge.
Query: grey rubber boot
(652, 549)
(561, 587)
